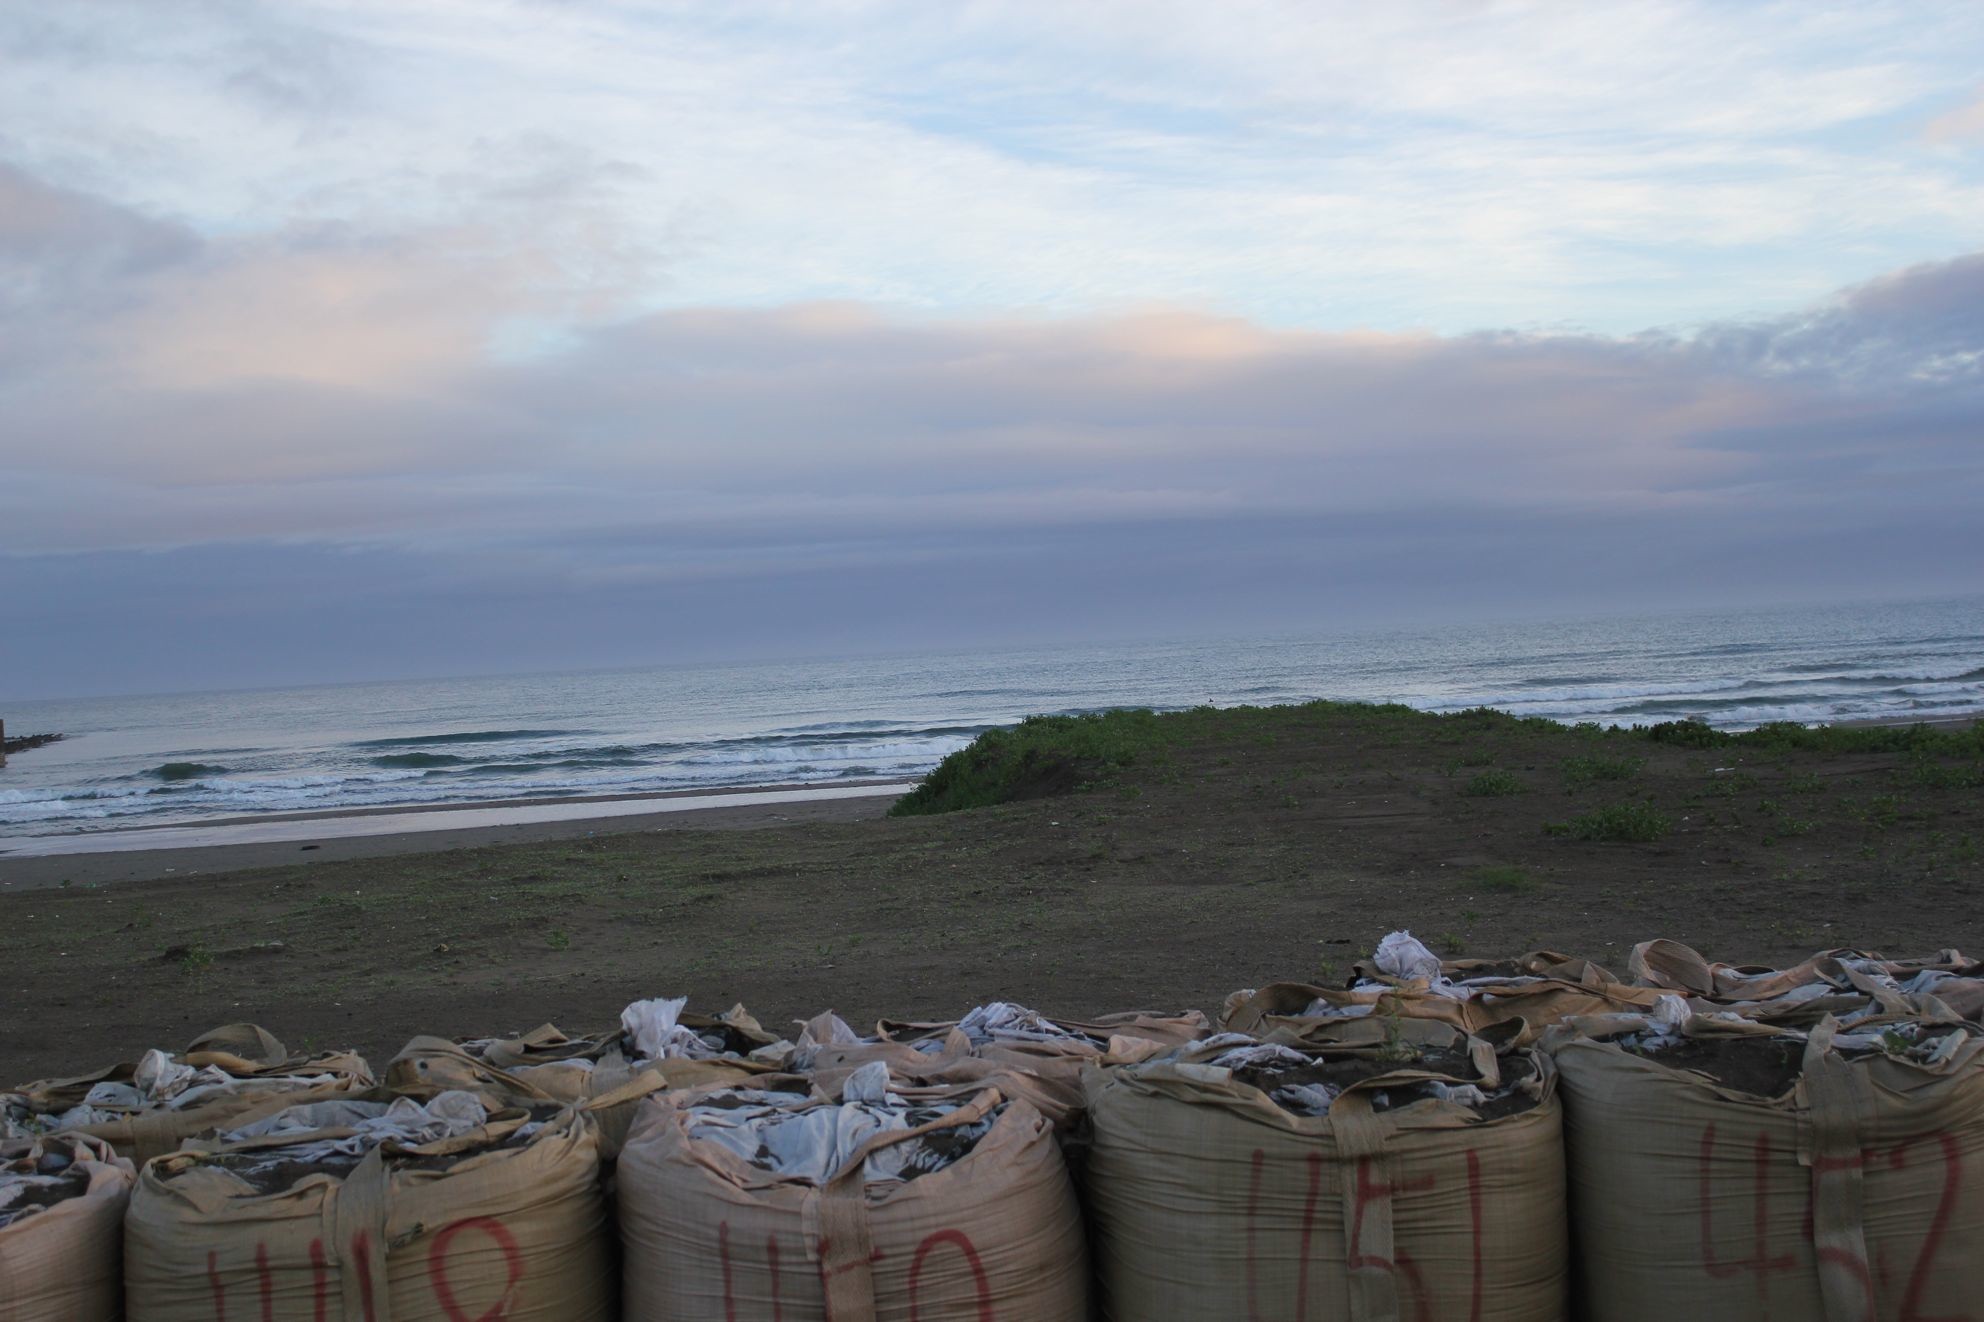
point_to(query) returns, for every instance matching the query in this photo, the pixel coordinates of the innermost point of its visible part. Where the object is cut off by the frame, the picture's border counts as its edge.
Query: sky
(414, 337)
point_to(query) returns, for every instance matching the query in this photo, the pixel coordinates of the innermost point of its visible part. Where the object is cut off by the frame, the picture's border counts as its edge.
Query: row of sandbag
(1376, 1163)
(1402, 1170)
(468, 1183)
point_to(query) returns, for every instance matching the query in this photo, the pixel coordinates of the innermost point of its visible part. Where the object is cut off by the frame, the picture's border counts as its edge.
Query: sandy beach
(89, 858)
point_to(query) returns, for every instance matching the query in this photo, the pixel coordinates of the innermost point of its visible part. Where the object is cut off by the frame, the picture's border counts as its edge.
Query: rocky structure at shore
(9, 747)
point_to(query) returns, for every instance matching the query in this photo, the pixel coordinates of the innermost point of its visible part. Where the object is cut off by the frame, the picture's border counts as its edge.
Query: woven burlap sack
(1532, 964)
(996, 1234)
(609, 1088)
(1847, 1198)
(548, 1044)
(65, 1262)
(594, 1069)
(267, 1075)
(514, 1232)
(1671, 966)
(1049, 1081)
(1110, 1032)
(1048, 1075)
(1287, 1009)
(1207, 1199)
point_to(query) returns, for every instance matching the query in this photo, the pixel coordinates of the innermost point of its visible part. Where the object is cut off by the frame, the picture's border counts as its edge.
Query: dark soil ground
(1266, 845)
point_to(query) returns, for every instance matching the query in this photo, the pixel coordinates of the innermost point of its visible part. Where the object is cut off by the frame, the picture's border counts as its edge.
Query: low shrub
(1631, 822)
(1492, 785)
(1585, 770)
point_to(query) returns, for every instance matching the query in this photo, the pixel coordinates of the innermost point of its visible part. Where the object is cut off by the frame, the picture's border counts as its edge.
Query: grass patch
(1628, 822)
(1492, 785)
(1505, 879)
(1588, 770)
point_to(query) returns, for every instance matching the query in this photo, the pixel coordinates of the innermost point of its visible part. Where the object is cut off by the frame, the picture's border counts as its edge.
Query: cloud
(1963, 124)
(1411, 165)
(319, 388)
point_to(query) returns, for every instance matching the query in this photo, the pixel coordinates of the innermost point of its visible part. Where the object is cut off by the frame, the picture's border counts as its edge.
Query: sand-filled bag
(62, 1200)
(1416, 1176)
(146, 1107)
(1845, 984)
(870, 1203)
(1017, 1050)
(1726, 1169)
(376, 1209)
(659, 1043)
(1406, 979)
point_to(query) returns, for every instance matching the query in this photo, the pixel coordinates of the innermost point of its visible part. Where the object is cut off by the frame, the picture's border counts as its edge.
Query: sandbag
(827, 1226)
(659, 1043)
(1404, 979)
(146, 1107)
(319, 1213)
(1009, 1047)
(1845, 984)
(1415, 1177)
(62, 1200)
(1726, 1169)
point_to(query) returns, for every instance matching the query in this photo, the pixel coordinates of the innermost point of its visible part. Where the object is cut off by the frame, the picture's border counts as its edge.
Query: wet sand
(230, 844)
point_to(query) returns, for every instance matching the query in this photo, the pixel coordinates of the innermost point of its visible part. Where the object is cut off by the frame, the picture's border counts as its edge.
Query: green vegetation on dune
(1042, 755)
(1045, 755)
(1934, 740)
(1632, 822)
(1492, 785)
(1048, 755)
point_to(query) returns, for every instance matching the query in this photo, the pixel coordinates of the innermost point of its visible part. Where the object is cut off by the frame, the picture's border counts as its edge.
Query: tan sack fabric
(500, 1218)
(732, 1033)
(146, 1107)
(1415, 1179)
(431, 1064)
(1404, 979)
(1846, 984)
(1009, 1047)
(62, 1229)
(708, 1234)
(1297, 1011)
(608, 1071)
(1672, 966)
(1727, 1170)
(1004, 1021)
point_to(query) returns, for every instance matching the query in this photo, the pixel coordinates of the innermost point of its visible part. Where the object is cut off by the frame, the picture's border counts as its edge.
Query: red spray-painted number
(957, 1239)
(266, 1286)
(1365, 1193)
(437, 1267)
(1402, 1267)
(361, 1257)
(729, 1285)
(1762, 1265)
(1925, 1258)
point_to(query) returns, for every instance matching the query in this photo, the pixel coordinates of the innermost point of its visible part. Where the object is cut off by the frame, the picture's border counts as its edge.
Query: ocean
(176, 758)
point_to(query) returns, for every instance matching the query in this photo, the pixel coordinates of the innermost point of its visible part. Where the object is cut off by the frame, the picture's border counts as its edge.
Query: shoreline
(465, 805)
(90, 859)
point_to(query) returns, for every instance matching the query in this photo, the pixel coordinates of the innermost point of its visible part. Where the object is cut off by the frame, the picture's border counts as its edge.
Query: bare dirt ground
(1282, 848)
